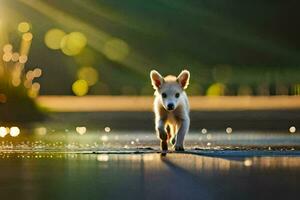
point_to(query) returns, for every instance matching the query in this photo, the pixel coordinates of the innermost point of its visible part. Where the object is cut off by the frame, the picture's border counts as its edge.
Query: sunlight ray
(96, 37)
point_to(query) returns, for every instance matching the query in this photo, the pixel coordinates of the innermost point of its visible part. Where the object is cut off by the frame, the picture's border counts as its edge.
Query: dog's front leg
(184, 128)
(161, 134)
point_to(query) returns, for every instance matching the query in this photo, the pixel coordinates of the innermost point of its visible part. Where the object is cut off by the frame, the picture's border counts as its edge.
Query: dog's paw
(178, 148)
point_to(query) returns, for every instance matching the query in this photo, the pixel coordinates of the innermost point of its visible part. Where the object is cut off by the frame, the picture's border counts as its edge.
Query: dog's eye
(164, 95)
(177, 95)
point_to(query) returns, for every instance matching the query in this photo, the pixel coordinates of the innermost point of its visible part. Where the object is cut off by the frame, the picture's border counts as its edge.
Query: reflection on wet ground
(83, 163)
(146, 176)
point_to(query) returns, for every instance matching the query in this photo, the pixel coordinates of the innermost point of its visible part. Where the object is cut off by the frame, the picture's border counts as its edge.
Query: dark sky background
(257, 39)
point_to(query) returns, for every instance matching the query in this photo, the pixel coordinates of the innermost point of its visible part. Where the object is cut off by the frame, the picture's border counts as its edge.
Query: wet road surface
(147, 176)
(85, 163)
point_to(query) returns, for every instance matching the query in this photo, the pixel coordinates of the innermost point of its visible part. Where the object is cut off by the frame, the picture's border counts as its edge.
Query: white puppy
(171, 108)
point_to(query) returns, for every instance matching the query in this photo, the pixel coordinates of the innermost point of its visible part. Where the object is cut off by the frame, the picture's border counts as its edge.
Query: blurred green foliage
(17, 106)
(249, 48)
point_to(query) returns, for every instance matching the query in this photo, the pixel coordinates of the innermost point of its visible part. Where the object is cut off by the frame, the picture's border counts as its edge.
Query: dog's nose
(170, 106)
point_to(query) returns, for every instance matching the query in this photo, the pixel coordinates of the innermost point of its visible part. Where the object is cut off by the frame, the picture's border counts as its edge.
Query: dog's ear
(156, 79)
(184, 78)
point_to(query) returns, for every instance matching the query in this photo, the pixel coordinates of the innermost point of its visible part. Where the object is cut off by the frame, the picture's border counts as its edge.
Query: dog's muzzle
(170, 106)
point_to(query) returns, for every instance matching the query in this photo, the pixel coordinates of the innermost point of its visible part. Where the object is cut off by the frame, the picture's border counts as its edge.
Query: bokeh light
(14, 131)
(36, 86)
(80, 87)
(116, 49)
(81, 130)
(104, 138)
(216, 89)
(103, 158)
(229, 130)
(89, 74)
(29, 75)
(107, 129)
(40, 131)
(15, 57)
(23, 59)
(27, 36)
(37, 72)
(16, 81)
(27, 84)
(24, 27)
(204, 131)
(73, 43)
(7, 57)
(7, 48)
(292, 129)
(53, 38)
(248, 162)
(3, 131)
